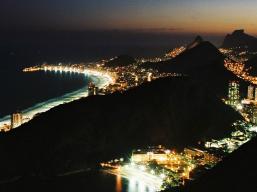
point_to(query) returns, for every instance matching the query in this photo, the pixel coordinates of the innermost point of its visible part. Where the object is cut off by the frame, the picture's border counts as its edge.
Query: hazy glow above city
(183, 16)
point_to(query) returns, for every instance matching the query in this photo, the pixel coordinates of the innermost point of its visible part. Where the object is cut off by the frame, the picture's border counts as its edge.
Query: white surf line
(100, 79)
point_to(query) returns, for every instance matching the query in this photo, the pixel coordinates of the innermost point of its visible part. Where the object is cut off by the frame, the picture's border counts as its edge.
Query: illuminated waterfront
(157, 168)
(98, 78)
(136, 180)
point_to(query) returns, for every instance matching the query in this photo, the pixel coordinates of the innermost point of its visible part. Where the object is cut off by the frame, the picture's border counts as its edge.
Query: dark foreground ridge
(237, 172)
(171, 111)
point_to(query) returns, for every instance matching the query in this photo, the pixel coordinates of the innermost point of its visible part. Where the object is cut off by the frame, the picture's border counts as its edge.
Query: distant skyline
(180, 16)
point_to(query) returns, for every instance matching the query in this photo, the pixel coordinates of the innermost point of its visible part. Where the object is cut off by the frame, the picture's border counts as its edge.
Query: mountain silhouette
(239, 39)
(196, 42)
(203, 63)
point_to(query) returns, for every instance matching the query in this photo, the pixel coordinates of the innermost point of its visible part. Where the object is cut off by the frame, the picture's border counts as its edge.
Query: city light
(102, 79)
(158, 165)
(239, 107)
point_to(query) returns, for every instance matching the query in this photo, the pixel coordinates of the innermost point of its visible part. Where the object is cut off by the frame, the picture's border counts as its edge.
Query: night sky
(205, 16)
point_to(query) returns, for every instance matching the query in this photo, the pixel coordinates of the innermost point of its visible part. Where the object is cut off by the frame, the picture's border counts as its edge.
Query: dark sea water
(86, 182)
(20, 90)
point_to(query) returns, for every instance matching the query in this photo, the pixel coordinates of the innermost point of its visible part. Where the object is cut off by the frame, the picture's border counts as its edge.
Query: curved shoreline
(100, 79)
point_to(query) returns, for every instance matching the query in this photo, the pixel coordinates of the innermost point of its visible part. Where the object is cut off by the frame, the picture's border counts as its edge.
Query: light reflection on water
(118, 183)
(132, 185)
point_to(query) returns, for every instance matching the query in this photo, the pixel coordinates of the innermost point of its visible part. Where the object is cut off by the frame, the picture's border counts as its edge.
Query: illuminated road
(100, 79)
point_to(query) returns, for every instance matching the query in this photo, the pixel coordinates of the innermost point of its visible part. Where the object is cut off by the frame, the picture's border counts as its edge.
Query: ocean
(21, 90)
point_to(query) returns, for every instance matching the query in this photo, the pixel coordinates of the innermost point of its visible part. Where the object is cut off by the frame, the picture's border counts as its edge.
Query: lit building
(5, 128)
(157, 154)
(149, 77)
(254, 116)
(139, 156)
(92, 89)
(233, 93)
(136, 80)
(250, 93)
(16, 120)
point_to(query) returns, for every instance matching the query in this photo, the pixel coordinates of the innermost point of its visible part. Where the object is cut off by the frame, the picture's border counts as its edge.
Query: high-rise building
(16, 120)
(136, 80)
(250, 93)
(149, 77)
(92, 89)
(233, 93)
(254, 116)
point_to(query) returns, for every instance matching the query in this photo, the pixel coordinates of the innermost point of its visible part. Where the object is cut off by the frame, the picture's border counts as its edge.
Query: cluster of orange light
(32, 69)
(175, 52)
(239, 69)
(109, 165)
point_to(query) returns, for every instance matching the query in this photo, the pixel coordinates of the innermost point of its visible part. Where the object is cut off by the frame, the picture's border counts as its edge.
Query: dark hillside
(121, 61)
(171, 111)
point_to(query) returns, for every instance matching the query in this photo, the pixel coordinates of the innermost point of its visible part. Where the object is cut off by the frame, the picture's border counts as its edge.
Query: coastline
(100, 79)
